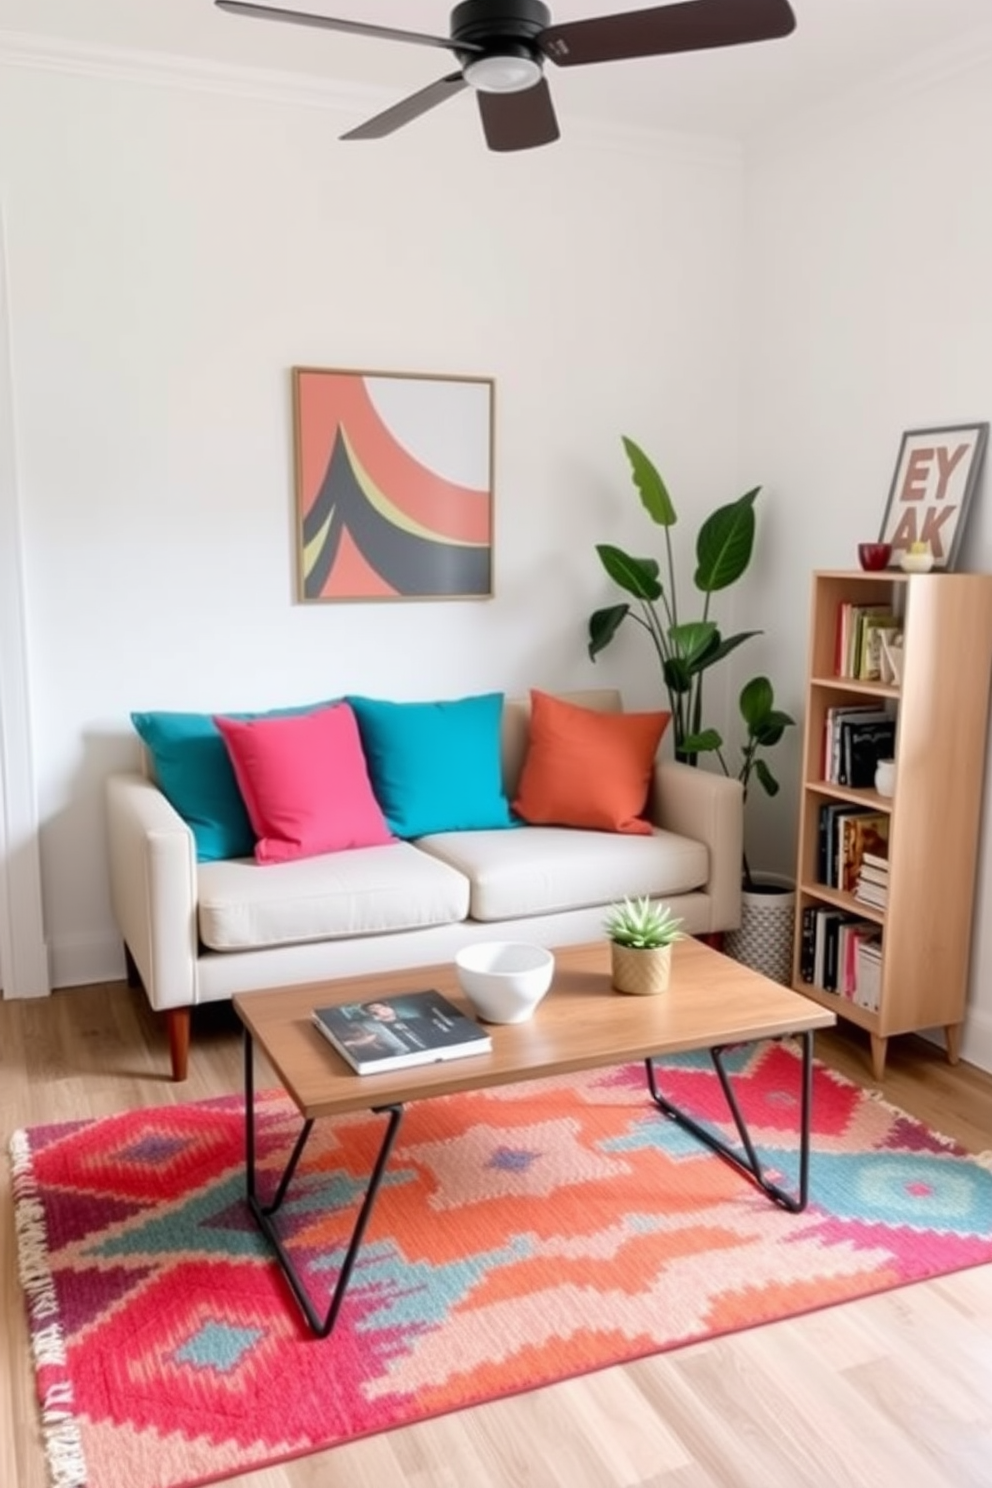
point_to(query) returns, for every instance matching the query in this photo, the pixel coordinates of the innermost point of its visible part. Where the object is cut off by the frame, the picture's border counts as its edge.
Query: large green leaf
(757, 697)
(678, 676)
(639, 576)
(603, 626)
(693, 640)
(766, 777)
(725, 544)
(704, 742)
(653, 491)
(769, 730)
(730, 643)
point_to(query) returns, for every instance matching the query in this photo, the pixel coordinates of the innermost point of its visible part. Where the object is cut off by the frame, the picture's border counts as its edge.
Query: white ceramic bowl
(504, 979)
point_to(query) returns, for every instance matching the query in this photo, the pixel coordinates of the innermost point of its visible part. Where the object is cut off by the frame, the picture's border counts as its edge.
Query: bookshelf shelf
(940, 713)
(855, 685)
(839, 900)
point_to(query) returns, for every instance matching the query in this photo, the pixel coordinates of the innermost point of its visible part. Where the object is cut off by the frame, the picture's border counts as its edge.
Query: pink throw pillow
(304, 783)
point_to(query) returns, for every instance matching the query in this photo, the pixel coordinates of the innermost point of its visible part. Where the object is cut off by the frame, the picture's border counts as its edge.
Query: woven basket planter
(641, 972)
(764, 940)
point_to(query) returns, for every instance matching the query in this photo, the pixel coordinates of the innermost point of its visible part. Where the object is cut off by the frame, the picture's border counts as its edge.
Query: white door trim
(23, 956)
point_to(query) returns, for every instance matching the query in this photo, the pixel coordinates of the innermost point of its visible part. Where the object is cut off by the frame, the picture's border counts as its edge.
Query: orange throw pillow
(587, 769)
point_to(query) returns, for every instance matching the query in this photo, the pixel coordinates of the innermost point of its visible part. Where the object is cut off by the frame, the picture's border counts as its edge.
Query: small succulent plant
(642, 925)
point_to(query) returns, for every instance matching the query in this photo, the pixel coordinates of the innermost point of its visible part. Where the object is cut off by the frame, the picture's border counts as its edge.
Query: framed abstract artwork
(394, 485)
(932, 486)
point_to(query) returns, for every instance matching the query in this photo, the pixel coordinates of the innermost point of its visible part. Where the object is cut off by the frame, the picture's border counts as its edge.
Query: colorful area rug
(522, 1236)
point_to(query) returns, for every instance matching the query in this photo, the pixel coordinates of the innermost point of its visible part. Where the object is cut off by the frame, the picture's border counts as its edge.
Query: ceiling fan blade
(693, 26)
(519, 121)
(328, 23)
(408, 109)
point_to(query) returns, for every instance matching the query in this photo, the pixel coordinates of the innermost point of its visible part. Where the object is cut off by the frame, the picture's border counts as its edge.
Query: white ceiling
(838, 46)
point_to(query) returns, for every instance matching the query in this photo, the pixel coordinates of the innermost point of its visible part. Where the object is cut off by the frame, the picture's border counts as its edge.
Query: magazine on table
(391, 1033)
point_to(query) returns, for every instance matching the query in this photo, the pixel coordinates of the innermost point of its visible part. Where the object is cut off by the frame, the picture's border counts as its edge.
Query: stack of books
(831, 948)
(860, 629)
(855, 738)
(873, 880)
(846, 833)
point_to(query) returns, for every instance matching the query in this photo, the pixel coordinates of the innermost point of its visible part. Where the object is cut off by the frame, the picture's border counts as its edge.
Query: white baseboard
(976, 1045)
(976, 1041)
(80, 960)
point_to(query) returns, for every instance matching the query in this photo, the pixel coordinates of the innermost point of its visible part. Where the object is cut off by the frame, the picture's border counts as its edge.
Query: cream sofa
(198, 932)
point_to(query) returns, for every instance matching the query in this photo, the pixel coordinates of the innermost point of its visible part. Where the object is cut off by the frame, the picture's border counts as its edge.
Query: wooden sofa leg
(712, 938)
(177, 1021)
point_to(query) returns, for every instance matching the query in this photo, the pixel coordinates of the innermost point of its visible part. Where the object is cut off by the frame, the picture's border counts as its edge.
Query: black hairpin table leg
(747, 1160)
(321, 1325)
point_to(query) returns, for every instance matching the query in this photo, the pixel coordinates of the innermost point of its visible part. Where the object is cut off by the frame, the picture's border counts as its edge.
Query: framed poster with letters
(935, 477)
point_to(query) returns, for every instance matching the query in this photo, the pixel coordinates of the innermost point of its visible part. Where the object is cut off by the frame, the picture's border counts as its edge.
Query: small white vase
(916, 562)
(643, 972)
(885, 777)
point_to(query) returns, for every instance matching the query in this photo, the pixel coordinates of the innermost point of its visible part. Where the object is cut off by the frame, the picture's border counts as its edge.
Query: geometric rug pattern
(522, 1235)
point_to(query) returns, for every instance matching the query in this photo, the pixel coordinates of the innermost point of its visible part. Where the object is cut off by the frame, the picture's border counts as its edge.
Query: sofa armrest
(153, 888)
(709, 808)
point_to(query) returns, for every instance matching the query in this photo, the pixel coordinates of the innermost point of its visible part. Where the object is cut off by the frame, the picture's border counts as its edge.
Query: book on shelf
(831, 814)
(863, 742)
(861, 832)
(876, 859)
(391, 1033)
(833, 742)
(868, 975)
(831, 938)
(851, 934)
(824, 945)
(852, 619)
(868, 874)
(873, 628)
(845, 831)
(807, 943)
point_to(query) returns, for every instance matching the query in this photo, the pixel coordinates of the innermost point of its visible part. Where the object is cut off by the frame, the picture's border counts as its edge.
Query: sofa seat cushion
(367, 891)
(542, 870)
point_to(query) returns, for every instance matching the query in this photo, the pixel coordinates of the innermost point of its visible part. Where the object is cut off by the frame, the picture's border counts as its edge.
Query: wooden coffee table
(712, 1003)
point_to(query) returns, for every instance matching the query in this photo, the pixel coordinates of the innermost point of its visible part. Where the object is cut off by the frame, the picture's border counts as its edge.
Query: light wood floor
(895, 1390)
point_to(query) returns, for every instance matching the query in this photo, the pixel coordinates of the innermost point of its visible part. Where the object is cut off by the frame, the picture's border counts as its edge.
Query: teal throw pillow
(435, 766)
(194, 772)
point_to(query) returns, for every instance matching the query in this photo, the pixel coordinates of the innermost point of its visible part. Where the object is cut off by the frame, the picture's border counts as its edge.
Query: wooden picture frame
(394, 485)
(932, 486)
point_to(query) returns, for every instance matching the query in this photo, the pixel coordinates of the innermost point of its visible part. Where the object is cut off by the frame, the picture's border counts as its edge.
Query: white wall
(869, 311)
(173, 250)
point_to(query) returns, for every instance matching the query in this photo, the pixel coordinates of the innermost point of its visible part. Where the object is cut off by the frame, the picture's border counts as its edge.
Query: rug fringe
(60, 1429)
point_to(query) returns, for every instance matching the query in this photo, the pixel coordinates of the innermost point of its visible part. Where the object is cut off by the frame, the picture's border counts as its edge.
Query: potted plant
(686, 650)
(764, 725)
(641, 935)
(764, 939)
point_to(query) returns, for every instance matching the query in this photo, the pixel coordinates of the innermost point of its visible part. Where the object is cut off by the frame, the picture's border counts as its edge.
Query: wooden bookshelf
(941, 712)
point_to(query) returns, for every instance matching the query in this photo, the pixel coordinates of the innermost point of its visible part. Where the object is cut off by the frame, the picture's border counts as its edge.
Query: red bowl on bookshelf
(874, 555)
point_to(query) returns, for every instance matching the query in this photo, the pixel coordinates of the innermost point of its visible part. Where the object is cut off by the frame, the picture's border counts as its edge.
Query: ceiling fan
(502, 45)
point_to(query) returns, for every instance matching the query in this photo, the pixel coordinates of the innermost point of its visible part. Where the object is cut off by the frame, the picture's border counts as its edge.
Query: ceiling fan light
(502, 73)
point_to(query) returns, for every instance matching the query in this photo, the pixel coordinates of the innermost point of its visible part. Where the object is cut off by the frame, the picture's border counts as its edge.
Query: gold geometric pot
(643, 972)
